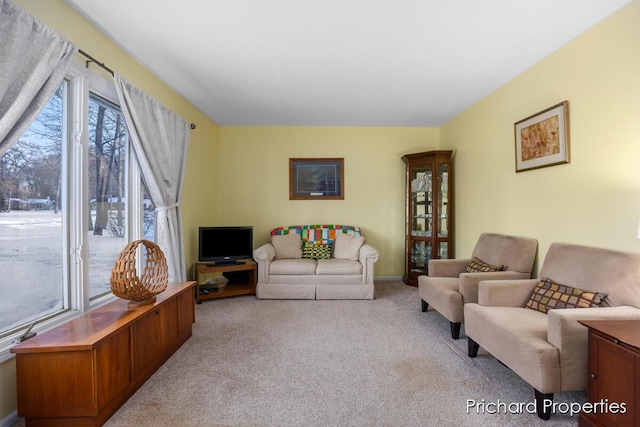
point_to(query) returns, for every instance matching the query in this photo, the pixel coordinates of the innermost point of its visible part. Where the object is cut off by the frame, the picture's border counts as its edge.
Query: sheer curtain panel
(33, 62)
(160, 140)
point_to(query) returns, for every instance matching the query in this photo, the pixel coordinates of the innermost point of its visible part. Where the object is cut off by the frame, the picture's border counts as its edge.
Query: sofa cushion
(321, 251)
(287, 246)
(548, 295)
(293, 266)
(347, 246)
(338, 266)
(478, 266)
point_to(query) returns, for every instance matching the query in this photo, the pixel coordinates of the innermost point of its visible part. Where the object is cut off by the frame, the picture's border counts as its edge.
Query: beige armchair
(449, 284)
(549, 351)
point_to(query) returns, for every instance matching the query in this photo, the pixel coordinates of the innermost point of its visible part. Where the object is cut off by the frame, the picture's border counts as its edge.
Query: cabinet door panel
(113, 368)
(186, 314)
(614, 382)
(152, 335)
(56, 384)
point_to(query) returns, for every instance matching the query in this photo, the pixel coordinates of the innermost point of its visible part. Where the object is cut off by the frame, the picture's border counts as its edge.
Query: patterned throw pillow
(322, 251)
(478, 266)
(548, 295)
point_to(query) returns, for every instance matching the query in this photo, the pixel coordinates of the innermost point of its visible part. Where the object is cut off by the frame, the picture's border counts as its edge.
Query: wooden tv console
(81, 372)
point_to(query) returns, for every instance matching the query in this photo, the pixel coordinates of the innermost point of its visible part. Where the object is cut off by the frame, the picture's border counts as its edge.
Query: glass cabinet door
(443, 209)
(421, 202)
(421, 217)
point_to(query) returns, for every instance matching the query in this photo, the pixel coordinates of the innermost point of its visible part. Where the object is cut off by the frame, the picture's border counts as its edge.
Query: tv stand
(242, 275)
(228, 262)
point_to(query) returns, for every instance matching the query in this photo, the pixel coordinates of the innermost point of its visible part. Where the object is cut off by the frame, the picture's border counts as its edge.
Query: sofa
(316, 262)
(532, 325)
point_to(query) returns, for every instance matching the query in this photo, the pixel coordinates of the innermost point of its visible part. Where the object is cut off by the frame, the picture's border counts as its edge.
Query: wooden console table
(614, 372)
(81, 372)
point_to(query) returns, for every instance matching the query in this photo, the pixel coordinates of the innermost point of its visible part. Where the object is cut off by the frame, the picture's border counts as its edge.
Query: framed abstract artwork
(316, 179)
(543, 139)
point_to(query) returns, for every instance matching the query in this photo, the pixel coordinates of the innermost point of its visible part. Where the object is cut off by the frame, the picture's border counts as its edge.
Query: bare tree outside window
(107, 202)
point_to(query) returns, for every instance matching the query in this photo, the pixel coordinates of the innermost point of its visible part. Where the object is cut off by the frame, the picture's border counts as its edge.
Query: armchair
(449, 283)
(549, 350)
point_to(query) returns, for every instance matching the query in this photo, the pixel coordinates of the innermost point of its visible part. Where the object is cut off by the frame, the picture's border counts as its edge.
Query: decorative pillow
(347, 246)
(548, 295)
(287, 246)
(478, 266)
(322, 251)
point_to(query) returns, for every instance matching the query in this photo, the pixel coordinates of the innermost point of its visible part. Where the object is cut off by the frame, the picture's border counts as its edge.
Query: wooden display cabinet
(243, 278)
(429, 211)
(613, 373)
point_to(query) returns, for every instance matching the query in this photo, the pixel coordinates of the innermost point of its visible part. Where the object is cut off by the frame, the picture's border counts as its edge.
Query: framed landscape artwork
(543, 139)
(316, 179)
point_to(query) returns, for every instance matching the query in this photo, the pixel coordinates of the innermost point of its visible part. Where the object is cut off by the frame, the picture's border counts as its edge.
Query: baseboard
(10, 420)
(388, 278)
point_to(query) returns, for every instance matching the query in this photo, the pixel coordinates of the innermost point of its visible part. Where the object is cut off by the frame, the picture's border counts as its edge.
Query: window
(108, 204)
(71, 197)
(31, 230)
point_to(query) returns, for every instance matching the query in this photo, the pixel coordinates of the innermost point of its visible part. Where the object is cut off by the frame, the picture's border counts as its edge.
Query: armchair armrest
(448, 267)
(571, 338)
(505, 293)
(469, 282)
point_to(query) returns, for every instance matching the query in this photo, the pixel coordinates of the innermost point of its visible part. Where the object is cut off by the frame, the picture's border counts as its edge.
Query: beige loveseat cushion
(338, 266)
(293, 266)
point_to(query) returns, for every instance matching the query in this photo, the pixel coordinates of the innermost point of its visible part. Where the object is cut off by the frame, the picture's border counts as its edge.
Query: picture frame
(543, 139)
(316, 179)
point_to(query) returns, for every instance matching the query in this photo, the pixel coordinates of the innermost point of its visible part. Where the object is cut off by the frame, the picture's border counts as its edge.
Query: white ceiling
(339, 62)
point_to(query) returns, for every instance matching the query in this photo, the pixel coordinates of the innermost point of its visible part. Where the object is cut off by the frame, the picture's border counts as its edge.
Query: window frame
(81, 82)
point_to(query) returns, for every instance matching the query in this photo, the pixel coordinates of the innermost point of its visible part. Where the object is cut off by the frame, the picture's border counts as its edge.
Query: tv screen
(225, 244)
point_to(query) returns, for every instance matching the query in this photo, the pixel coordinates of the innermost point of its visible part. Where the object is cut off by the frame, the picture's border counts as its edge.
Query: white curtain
(33, 62)
(160, 140)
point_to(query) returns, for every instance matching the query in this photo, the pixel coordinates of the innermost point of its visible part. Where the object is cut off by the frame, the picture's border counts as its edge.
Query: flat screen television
(225, 245)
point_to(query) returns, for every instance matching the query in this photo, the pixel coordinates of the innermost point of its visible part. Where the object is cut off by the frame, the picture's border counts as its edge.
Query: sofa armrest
(368, 252)
(265, 252)
(468, 284)
(264, 255)
(571, 338)
(448, 267)
(367, 257)
(505, 293)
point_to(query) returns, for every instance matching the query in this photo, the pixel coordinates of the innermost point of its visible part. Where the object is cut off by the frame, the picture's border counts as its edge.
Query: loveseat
(316, 262)
(531, 325)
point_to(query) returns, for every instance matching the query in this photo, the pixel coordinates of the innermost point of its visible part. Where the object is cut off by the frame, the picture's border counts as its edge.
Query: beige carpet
(270, 363)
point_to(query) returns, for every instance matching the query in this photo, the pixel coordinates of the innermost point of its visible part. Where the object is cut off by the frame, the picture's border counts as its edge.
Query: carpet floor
(264, 363)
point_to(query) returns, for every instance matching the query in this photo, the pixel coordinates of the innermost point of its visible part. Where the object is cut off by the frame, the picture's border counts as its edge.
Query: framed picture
(316, 179)
(543, 139)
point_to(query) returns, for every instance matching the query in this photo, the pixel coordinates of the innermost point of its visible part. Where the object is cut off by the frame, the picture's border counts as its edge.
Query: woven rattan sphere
(125, 282)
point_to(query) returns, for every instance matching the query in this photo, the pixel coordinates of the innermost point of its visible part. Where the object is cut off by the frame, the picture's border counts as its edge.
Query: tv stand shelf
(242, 276)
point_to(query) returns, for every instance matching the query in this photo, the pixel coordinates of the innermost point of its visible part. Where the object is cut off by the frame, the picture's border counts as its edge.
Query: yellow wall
(239, 175)
(198, 201)
(254, 167)
(595, 199)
